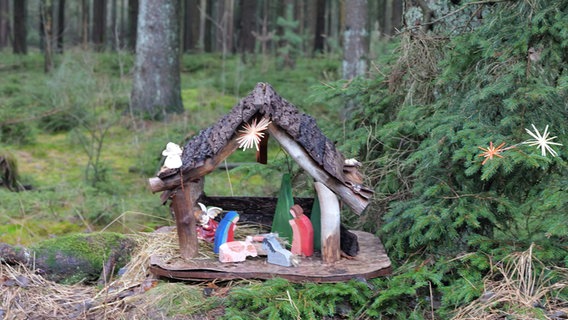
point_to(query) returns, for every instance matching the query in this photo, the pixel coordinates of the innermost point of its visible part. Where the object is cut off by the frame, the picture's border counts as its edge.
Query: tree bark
(113, 26)
(246, 40)
(202, 20)
(190, 25)
(224, 28)
(4, 23)
(355, 40)
(156, 89)
(46, 33)
(60, 25)
(183, 204)
(319, 32)
(132, 23)
(20, 45)
(84, 24)
(99, 24)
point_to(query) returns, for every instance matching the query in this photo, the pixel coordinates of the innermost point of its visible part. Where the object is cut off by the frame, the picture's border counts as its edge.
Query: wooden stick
(183, 203)
(330, 224)
(356, 202)
(171, 182)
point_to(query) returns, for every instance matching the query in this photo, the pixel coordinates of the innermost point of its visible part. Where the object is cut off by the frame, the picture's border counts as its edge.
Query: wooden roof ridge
(220, 139)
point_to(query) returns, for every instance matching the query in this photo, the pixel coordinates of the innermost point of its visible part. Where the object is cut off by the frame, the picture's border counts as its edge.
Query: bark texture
(355, 40)
(20, 44)
(4, 23)
(156, 82)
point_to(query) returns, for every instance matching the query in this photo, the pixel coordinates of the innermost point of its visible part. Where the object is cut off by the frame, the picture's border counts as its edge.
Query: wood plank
(372, 261)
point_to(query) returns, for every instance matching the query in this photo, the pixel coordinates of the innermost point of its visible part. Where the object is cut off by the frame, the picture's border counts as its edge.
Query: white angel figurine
(173, 156)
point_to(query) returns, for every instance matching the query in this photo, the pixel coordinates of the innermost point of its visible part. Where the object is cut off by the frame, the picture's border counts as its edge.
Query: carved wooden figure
(237, 251)
(303, 232)
(225, 231)
(275, 253)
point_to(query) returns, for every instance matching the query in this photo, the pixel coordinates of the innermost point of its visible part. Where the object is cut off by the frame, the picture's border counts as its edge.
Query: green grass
(40, 115)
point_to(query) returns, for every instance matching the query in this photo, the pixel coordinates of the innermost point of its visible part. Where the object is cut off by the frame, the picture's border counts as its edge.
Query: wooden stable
(336, 180)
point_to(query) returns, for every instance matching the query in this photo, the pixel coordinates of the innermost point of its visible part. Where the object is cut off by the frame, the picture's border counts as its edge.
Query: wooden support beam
(183, 202)
(355, 201)
(330, 224)
(171, 182)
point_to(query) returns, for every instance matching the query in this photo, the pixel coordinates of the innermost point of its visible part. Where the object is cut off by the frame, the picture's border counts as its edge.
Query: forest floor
(55, 164)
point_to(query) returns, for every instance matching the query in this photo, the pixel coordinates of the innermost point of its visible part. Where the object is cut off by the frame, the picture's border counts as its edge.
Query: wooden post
(330, 224)
(183, 203)
(354, 200)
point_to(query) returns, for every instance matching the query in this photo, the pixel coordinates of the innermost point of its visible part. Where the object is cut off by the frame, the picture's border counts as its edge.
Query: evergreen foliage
(279, 299)
(442, 214)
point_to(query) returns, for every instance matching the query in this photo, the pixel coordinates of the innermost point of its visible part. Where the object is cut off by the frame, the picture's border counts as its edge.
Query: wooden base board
(372, 261)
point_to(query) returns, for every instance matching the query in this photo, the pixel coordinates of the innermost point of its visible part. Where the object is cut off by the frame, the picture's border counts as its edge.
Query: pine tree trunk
(84, 24)
(156, 80)
(132, 23)
(114, 30)
(247, 41)
(320, 27)
(190, 25)
(46, 33)
(60, 25)
(99, 24)
(355, 40)
(4, 23)
(202, 18)
(20, 45)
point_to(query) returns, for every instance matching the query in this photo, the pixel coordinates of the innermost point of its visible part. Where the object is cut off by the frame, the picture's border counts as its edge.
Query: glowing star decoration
(491, 152)
(542, 141)
(173, 156)
(252, 134)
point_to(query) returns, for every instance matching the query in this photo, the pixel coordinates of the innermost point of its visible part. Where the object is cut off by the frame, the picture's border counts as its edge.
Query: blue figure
(226, 230)
(276, 254)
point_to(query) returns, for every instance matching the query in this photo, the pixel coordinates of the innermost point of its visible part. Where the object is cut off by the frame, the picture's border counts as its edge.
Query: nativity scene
(306, 242)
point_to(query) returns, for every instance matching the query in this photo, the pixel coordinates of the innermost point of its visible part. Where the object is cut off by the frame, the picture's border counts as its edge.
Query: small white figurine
(173, 156)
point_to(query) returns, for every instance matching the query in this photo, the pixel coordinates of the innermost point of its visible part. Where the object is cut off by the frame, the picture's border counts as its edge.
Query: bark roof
(263, 101)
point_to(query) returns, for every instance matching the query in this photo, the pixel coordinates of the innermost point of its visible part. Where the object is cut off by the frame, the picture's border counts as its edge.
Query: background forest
(447, 104)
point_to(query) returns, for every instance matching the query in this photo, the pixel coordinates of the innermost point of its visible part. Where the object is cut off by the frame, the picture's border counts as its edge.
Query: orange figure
(302, 232)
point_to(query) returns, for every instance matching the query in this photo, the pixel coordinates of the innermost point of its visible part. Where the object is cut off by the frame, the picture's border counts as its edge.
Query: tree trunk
(60, 25)
(333, 33)
(320, 27)
(132, 23)
(224, 28)
(113, 26)
(202, 20)
(46, 33)
(190, 25)
(396, 18)
(20, 44)
(246, 40)
(84, 24)
(156, 88)
(355, 40)
(99, 24)
(4, 23)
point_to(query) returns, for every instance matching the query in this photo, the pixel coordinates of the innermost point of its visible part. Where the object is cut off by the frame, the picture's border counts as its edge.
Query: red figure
(302, 232)
(207, 231)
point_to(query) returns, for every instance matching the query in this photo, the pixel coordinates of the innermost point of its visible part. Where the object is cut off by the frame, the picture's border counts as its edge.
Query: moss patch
(80, 257)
